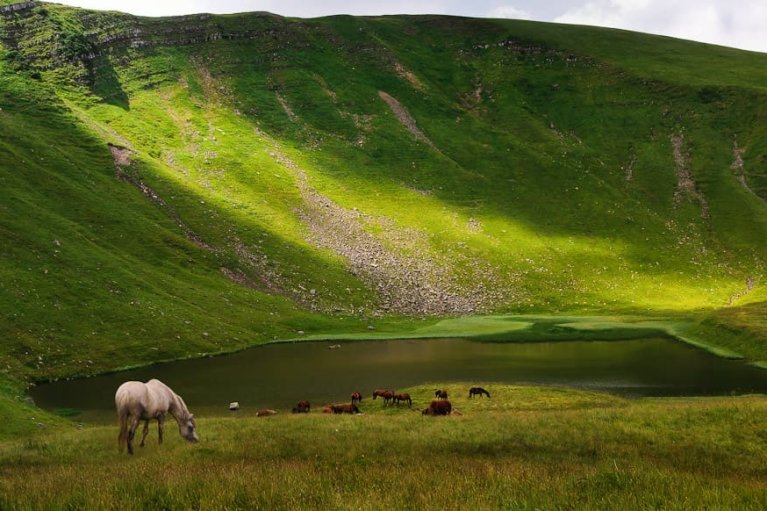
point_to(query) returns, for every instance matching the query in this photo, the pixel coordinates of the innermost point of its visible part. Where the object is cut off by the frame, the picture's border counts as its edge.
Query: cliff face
(48, 37)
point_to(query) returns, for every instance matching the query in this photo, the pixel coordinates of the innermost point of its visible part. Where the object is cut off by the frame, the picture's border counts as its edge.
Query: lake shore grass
(525, 448)
(542, 328)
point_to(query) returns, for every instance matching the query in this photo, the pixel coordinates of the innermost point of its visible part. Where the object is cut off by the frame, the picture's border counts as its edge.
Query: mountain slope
(189, 185)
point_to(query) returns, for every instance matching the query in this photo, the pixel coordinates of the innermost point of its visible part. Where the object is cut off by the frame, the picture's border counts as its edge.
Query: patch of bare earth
(628, 169)
(213, 89)
(363, 123)
(404, 117)
(474, 225)
(686, 187)
(738, 168)
(285, 106)
(472, 101)
(750, 285)
(397, 263)
(408, 75)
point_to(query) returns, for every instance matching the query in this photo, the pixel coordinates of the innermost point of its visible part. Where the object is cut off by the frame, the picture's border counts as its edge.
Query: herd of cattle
(439, 406)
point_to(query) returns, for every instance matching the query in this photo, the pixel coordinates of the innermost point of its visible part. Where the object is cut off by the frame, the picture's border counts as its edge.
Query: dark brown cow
(386, 394)
(302, 407)
(345, 408)
(438, 407)
(402, 397)
(356, 397)
(440, 394)
(474, 391)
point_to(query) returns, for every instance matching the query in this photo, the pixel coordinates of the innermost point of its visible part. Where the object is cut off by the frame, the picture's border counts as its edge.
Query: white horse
(137, 401)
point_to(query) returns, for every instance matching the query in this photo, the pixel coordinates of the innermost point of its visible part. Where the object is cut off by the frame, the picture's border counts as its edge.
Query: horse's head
(188, 429)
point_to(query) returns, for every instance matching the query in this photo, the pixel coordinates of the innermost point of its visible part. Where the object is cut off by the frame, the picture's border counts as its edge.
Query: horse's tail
(122, 437)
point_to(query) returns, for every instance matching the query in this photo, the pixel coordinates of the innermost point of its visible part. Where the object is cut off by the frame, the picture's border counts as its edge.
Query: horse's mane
(179, 409)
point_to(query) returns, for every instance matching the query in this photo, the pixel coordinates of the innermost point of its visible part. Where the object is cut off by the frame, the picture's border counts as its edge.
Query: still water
(279, 375)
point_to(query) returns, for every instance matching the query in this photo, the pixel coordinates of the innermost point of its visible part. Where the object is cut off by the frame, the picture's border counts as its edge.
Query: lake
(279, 375)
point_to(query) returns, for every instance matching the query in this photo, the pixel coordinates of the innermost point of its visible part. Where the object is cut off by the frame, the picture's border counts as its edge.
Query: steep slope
(186, 185)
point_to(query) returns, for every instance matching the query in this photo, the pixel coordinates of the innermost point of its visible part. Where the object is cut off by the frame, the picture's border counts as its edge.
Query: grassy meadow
(524, 448)
(181, 187)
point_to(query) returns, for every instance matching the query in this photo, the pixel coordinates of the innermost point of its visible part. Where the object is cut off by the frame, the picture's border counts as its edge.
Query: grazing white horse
(137, 401)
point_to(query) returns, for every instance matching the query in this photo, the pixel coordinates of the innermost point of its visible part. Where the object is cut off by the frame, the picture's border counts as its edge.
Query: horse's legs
(132, 432)
(160, 424)
(145, 433)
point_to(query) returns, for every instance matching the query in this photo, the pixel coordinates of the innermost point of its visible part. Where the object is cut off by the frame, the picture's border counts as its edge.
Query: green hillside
(181, 186)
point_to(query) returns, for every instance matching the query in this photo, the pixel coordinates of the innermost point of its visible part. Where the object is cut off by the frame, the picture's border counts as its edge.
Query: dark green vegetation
(525, 448)
(182, 186)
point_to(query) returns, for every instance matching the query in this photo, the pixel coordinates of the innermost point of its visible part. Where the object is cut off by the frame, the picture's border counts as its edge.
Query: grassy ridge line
(525, 448)
(677, 60)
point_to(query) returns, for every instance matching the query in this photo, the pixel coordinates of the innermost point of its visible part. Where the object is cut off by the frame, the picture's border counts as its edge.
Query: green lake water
(279, 375)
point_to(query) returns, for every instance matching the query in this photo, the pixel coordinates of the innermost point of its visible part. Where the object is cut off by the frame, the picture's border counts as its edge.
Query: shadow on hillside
(105, 83)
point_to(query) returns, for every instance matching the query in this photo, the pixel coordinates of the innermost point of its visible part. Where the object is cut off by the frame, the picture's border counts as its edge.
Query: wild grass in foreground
(525, 448)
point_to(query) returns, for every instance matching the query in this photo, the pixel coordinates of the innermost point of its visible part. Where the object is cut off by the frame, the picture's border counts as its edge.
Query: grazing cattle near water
(440, 394)
(402, 397)
(474, 391)
(356, 397)
(345, 408)
(438, 407)
(302, 407)
(137, 401)
(386, 394)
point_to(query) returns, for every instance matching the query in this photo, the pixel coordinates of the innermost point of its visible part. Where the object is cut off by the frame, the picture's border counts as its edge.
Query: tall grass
(525, 448)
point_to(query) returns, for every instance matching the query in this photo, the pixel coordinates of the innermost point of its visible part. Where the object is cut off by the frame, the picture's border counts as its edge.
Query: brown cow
(345, 408)
(440, 394)
(402, 397)
(356, 397)
(302, 407)
(386, 394)
(438, 407)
